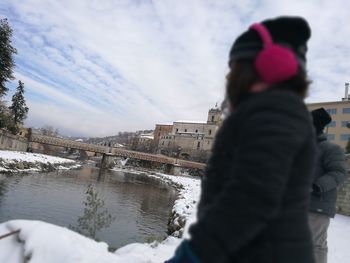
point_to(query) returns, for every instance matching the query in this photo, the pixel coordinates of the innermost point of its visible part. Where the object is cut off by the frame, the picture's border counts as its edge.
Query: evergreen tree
(6, 120)
(6, 55)
(19, 108)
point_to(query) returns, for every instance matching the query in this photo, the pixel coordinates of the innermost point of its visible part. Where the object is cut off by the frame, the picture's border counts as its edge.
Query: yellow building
(337, 130)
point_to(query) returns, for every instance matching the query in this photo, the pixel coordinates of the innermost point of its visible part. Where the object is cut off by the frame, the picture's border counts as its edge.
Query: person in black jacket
(255, 192)
(330, 172)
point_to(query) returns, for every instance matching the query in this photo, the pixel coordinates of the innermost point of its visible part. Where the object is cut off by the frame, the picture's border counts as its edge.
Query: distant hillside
(121, 138)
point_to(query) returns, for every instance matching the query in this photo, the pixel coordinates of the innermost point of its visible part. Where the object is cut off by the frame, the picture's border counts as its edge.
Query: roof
(184, 121)
(165, 124)
(147, 136)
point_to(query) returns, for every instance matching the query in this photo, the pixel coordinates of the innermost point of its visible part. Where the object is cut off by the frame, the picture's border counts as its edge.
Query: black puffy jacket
(256, 188)
(330, 172)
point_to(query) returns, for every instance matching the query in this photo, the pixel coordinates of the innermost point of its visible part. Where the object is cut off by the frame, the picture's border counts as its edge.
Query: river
(135, 207)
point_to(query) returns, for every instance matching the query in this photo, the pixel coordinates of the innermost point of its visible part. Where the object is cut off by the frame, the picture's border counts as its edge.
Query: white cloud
(74, 123)
(143, 62)
(56, 95)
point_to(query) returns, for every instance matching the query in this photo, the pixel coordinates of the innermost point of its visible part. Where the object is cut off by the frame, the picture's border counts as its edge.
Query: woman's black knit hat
(320, 118)
(292, 32)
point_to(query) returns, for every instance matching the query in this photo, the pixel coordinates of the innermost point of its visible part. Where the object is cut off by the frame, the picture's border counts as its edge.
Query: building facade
(159, 131)
(191, 139)
(142, 142)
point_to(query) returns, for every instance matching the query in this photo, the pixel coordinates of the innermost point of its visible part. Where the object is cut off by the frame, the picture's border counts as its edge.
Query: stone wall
(12, 142)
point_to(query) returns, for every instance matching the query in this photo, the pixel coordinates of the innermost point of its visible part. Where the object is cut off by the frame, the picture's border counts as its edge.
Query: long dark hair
(243, 76)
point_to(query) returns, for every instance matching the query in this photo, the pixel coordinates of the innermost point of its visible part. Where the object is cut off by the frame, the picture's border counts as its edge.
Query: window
(332, 124)
(162, 142)
(208, 142)
(344, 137)
(177, 130)
(212, 118)
(346, 110)
(209, 132)
(332, 111)
(196, 131)
(331, 137)
(344, 123)
(185, 130)
(198, 145)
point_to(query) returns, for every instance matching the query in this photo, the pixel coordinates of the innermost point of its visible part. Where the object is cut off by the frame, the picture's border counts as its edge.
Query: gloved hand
(184, 254)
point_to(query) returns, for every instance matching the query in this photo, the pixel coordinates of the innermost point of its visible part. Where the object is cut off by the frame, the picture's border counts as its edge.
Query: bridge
(113, 152)
(56, 141)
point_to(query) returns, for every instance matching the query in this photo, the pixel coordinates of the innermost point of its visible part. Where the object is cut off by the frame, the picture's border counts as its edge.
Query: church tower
(214, 115)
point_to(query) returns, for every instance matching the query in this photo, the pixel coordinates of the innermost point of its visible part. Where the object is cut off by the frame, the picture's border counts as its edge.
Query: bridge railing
(67, 143)
(158, 158)
(143, 156)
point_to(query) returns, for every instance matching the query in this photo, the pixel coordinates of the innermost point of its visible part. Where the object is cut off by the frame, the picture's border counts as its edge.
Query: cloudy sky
(97, 67)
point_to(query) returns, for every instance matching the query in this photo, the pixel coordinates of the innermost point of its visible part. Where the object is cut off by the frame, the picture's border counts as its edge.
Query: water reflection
(141, 205)
(95, 217)
(3, 187)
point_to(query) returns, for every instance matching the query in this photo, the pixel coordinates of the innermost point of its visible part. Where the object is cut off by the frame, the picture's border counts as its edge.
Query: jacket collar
(321, 137)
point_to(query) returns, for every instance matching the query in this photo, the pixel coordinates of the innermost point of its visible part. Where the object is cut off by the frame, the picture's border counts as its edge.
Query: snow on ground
(338, 240)
(9, 161)
(47, 243)
(10, 156)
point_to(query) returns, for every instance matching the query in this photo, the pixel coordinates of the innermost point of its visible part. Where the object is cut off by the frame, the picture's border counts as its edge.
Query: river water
(136, 206)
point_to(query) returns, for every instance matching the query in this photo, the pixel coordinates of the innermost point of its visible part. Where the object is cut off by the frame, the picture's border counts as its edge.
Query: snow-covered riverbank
(11, 161)
(43, 242)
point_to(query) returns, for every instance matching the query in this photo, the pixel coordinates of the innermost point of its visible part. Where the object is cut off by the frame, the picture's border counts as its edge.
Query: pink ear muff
(275, 63)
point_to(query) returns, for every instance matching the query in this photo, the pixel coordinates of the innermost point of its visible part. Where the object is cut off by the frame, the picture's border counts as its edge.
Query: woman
(254, 201)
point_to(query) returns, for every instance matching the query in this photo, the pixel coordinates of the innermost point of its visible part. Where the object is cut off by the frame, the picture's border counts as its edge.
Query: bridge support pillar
(107, 161)
(173, 169)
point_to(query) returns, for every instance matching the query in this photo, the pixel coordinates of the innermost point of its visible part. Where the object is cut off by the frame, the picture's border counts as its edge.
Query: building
(142, 142)
(191, 139)
(214, 116)
(161, 130)
(337, 131)
(24, 132)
